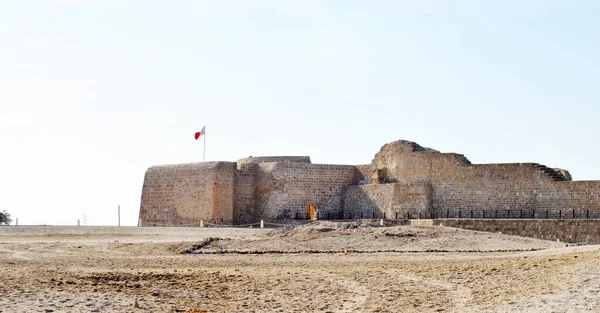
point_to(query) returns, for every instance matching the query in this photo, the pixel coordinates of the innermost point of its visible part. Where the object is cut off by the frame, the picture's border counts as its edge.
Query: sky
(93, 92)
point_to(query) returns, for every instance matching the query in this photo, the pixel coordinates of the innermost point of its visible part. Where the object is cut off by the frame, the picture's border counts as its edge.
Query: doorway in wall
(311, 212)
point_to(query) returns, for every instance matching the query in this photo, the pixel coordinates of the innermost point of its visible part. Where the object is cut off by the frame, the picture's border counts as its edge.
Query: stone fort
(404, 180)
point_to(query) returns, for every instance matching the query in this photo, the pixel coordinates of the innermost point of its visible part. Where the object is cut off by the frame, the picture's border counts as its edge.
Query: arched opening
(311, 212)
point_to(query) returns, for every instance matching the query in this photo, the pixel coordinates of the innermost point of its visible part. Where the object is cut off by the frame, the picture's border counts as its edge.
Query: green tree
(5, 218)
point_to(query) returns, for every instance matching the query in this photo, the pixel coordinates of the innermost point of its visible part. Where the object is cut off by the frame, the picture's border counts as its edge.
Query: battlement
(271, 159)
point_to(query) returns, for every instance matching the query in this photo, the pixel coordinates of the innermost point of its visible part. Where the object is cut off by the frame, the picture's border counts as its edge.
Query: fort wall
(404, 179)
(284, 189)
(368, 201)
(223, 188)
(365, 172)
(245, 194)
(387, 200)
(567, 195)
(520, 186)
(186, 193)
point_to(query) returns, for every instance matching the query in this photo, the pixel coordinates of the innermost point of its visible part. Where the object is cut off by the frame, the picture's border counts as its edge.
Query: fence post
(573, 213)
(373, 213)
(447, 213)
(383, 215)
(408, 215)
(201, 223)
(546, 213)
(483, 213)
(396, 215)
(587, 214)
(508, 213)
(459, 214)
(559, 214)
(262, 224)
(350, 215)
(533, 213)
(419, 215)
(496, 214)
(521, 214)
(471, 214)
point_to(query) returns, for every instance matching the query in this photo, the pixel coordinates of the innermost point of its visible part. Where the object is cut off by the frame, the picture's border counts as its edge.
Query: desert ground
(319, 267)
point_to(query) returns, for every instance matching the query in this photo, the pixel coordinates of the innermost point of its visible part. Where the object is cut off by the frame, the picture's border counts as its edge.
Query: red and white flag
(200, 133)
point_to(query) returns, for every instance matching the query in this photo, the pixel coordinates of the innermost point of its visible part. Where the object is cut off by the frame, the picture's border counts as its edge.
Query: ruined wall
(407, 162)
(387, 200)
(572, 231)
(185, 193)
(459, 185)
(284, 189)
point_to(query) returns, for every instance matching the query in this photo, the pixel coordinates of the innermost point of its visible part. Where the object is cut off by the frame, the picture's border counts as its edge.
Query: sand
(323, 267)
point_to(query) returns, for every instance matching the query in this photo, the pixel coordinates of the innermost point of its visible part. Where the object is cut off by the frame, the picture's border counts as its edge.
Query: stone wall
(186, 193)
(519, 186)
(365, 172)
(244, 195)
(368, 201)
(388, 200)
(578, 195)
(284, 189)
(485, 186)
(413, 200)
(407, 162)
(458, 185)
(223, 187)
(571, 231)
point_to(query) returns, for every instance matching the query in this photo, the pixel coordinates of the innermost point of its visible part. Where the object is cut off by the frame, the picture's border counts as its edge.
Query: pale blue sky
(93, 92)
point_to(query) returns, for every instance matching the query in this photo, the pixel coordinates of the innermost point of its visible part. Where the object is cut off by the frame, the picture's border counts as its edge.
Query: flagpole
(204, 150)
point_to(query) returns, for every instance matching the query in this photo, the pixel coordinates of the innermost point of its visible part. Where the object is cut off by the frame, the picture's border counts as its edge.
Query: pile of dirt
(360, 237)
(319, 227)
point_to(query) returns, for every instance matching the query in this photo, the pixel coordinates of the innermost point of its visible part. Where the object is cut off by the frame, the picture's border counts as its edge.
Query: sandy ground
(130, 269)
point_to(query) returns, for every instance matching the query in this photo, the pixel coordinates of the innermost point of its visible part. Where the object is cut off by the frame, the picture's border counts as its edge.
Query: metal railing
(458, 213)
